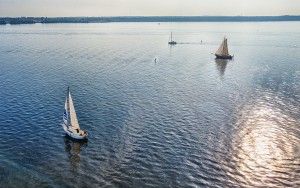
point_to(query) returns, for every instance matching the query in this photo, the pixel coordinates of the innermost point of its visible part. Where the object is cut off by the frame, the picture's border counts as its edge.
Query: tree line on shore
(33, 20)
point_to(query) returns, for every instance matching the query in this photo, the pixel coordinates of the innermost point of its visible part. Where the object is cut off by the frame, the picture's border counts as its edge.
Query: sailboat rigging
(70, 121)
(222, 52)
(172, 42)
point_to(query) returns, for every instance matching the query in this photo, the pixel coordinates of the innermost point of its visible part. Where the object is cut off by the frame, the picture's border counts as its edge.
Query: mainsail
(73, 117)
(223, 49)
(70, 117)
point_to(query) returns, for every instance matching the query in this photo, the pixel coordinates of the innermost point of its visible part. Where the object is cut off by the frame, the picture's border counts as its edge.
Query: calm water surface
(184, 121)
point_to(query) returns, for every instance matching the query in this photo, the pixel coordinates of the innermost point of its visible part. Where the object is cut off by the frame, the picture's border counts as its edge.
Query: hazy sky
(147, 7)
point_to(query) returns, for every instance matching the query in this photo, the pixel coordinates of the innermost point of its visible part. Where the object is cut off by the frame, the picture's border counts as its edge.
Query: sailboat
(172, 42)
(70, 121)
(222, 52)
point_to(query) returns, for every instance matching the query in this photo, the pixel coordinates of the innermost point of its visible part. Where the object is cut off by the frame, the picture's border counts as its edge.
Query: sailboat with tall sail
(222, 52)
(70, 121)
(172, 42)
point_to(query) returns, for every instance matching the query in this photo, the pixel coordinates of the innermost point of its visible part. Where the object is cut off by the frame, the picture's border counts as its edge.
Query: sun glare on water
(264, 149)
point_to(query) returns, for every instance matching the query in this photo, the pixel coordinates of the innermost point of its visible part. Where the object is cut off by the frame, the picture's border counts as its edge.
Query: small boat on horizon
(172, 42)
(222, 52)
(70, 121)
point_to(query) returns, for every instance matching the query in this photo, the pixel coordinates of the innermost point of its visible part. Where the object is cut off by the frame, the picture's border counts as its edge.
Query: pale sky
(52, 8)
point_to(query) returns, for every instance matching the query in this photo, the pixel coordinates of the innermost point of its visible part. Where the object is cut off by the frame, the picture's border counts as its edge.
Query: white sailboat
(172, 42)
(70, 121)
(222, 52)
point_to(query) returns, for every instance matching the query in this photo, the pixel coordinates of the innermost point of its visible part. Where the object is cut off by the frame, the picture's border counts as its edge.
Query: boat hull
(172, 42)
(74, 135)
(223, 56)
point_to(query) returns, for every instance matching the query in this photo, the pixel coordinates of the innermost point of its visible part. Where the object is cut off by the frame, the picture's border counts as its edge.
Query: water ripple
(185, 120)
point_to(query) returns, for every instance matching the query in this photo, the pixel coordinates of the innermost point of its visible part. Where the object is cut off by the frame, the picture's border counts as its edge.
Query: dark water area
(186, 120)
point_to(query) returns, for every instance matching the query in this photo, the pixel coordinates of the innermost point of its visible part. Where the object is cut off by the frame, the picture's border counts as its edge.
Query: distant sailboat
(222, 52)
(172, 42)
(71, 125)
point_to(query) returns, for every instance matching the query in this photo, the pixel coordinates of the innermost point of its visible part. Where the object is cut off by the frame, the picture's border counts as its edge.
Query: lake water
(185, 120)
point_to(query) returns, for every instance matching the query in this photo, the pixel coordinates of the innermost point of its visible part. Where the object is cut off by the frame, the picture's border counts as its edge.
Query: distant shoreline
(45, 20)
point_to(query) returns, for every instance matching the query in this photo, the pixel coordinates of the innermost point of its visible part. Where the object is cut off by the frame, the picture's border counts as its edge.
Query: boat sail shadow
(73, 149)
(221, 65)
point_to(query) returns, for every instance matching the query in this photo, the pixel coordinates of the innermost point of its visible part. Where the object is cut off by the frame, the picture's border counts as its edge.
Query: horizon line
(140, 16)
(33, 20)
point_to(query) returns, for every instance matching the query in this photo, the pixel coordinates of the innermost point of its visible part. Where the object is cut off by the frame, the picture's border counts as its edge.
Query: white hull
(74, 135)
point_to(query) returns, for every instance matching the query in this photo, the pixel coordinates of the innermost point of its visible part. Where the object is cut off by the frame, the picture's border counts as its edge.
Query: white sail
(66, 113)
(223, 49)
(73, 117)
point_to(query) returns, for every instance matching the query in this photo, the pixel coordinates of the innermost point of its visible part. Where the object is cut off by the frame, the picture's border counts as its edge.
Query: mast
(171, 37)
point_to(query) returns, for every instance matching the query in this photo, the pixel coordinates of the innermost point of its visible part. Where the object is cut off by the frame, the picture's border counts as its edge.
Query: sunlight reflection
(264, 149)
